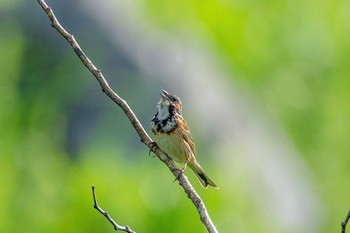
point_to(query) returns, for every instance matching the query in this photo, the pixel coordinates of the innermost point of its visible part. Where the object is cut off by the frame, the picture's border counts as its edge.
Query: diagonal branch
(183, 181)
(109, 218)
(345, 222)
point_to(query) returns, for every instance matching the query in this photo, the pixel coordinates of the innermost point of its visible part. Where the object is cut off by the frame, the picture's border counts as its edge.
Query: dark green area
(59, 134)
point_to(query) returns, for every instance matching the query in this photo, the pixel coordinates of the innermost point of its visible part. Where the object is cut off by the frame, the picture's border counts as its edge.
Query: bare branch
(109, 218)
(345, 222)
(183, 181)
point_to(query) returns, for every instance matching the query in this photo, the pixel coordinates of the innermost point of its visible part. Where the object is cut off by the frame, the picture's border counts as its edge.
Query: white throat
(163, 121)
(163, 111)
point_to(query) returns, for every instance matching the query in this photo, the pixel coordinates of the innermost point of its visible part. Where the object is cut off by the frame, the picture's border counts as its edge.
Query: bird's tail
(202, 177)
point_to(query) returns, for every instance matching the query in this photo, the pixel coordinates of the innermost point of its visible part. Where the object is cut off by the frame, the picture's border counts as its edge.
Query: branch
(345, 222)
(109, 218)
(183, 181)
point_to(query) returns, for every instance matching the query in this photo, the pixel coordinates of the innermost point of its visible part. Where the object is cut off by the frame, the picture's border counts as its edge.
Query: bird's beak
(165, 95)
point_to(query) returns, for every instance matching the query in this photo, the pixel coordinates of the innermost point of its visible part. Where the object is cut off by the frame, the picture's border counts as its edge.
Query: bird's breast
(172, 144)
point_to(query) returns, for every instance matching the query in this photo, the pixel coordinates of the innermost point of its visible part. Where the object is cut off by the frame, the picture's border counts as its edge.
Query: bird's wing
(186, 135)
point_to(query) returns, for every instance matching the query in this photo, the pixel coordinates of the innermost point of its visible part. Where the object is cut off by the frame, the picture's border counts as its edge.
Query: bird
(172, 135)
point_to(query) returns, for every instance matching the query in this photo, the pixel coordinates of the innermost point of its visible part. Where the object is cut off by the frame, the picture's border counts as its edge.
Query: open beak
(165, 95)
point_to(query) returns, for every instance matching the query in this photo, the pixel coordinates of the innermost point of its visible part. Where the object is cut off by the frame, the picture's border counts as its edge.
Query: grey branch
(345, 222)
(183, 181)
(109, 218)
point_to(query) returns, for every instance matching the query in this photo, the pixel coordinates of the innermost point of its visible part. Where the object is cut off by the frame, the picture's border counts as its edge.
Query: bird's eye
(174, 99)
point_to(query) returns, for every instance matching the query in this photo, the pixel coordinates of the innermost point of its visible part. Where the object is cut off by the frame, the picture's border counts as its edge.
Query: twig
(109, 218)
(345, 222)
(183, 181)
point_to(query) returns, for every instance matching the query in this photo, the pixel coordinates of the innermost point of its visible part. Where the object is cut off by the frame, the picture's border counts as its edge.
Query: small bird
(174, 137)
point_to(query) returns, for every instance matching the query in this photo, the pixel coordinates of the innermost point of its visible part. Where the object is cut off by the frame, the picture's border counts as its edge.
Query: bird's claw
(153, 146)
(181, 171)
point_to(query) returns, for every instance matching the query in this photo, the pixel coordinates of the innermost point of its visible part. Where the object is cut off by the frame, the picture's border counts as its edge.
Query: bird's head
(170, 102)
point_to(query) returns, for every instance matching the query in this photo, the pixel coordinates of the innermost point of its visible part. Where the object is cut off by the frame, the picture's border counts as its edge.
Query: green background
(59, 134)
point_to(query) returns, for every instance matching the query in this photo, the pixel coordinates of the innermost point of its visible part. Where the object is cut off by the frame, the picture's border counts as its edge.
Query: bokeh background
(266, 91)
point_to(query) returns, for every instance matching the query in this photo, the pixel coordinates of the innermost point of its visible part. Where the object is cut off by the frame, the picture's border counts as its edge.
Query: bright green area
(292, 56)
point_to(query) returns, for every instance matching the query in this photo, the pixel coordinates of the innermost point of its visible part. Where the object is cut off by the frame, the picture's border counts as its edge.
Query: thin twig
(345, 222)
(183, 181)
(109, 218)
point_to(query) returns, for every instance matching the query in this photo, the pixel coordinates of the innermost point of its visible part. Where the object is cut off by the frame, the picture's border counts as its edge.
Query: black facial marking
(159, 127)
(155, 119)
(160, 124)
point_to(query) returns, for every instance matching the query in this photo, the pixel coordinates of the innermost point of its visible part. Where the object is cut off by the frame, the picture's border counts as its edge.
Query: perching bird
(173, 136)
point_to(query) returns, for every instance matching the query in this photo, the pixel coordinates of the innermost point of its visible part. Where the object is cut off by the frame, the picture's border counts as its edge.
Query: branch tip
(345, 222)
(108, 217)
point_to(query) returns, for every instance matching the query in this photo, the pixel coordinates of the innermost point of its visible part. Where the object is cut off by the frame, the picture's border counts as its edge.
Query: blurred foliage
(291, 55)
